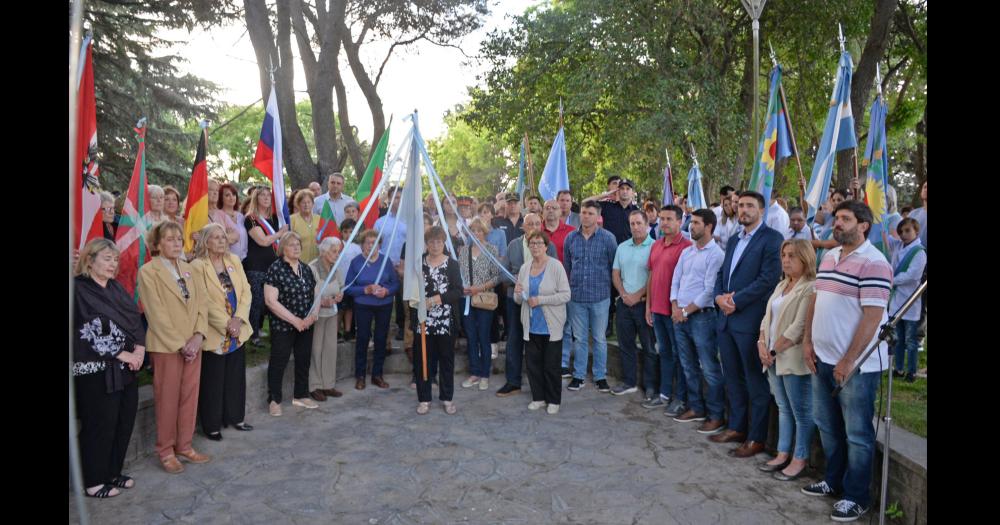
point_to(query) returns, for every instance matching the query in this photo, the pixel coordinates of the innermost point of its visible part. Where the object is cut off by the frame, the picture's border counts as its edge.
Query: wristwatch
(773, 353)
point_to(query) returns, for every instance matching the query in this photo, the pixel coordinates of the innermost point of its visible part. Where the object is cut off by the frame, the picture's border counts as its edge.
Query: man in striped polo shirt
(852, 292)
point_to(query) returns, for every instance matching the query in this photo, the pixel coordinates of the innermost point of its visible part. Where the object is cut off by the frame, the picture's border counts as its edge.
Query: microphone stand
(887, 334)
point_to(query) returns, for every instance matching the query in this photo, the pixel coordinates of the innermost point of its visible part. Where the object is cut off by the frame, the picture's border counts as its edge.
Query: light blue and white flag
(555, 178)
(838, 134)
(696, 194)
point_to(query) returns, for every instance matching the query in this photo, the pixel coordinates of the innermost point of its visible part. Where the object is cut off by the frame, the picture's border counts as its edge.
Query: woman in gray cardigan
(780, 349)
(542, 290)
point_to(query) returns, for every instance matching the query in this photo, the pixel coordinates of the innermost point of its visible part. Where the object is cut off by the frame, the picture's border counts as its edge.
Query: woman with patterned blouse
(443, 289)
(108, 349)
(178, 321)
(222, 398)
(289, 289)
(482, 278)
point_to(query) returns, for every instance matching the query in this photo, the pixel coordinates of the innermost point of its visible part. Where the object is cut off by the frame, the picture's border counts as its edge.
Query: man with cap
(512, 223)
(615, 212)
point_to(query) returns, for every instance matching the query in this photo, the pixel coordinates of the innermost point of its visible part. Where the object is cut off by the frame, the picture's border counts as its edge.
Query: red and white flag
(87, 219)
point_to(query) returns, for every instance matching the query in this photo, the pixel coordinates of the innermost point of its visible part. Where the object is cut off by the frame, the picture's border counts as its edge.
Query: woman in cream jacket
(780, 349)
(542, 290)
(227, 299)
(174, 305)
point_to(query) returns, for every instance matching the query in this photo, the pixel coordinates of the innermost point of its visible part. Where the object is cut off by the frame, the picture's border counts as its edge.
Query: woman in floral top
(289, 290)
(443, 289)
(107, 351)
(482, 278)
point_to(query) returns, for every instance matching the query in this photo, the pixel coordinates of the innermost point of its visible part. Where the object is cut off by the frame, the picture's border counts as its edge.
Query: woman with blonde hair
(260, 250)
(227, 296)
(108, 349)
(780, 349)
(323, 368)
(174, 303)
(305, 223)
(480, 275)
(289, 289)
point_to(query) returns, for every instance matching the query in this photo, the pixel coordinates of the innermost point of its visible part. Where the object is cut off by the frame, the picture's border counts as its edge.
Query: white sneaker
(470, 382)
(484, 384)
(553, 409)
(305, 402)
(274, 409)
(535, 405)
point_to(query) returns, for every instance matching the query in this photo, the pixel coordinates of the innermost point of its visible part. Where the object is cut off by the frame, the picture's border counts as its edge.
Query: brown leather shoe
(195, 457)
(360, 384)
(379, 382)
(318, 395)
(746, 450)
(712, 426)
(729, 436)
(333, 392)
(171, 465)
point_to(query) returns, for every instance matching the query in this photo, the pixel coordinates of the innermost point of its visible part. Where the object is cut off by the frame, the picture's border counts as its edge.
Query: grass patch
(909, 400)
(255, 355)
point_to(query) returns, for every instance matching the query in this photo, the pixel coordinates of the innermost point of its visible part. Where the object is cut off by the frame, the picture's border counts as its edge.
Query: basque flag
(268, 156)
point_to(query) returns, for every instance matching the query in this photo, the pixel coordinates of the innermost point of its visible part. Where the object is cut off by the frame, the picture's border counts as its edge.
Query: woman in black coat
(107, 351)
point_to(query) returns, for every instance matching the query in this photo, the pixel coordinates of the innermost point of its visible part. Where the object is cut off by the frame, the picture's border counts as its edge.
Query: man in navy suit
(749, 273)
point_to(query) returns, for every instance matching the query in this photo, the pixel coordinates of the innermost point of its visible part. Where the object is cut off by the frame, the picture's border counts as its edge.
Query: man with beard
(852, 291)
(694, 318)
(749, 273)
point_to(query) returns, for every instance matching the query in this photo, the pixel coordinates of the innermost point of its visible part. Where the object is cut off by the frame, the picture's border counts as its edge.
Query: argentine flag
(838, 134)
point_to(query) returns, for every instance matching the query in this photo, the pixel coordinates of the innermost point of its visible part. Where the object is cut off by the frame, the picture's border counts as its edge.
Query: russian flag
(268, 157)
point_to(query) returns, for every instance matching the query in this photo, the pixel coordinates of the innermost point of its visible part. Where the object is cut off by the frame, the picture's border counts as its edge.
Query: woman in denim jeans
(482, 278)
(780, 349)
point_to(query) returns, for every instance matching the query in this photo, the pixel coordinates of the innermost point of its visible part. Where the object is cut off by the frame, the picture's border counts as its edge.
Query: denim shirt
(588, 264)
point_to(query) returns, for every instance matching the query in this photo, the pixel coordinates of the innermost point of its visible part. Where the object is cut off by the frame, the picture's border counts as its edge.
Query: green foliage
(134, 79)
(894, 511)
(641, 76)
(469, 162)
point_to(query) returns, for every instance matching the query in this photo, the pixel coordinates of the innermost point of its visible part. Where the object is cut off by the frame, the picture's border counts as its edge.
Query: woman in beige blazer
(217, 271)
(542, 290)
(780, 349)
(174, 305)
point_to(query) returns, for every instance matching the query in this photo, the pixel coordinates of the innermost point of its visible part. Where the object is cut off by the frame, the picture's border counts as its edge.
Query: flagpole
(423, 348)
(531, 165)
(791, 130)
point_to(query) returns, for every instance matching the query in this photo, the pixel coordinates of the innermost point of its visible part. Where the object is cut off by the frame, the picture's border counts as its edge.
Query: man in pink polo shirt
(663, 257)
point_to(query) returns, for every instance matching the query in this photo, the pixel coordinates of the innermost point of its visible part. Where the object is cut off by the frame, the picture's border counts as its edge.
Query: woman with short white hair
(323, 368)
(157, 198)
(108, 215)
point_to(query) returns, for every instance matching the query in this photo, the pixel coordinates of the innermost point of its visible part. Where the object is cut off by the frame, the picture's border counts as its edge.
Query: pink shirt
(663, 259)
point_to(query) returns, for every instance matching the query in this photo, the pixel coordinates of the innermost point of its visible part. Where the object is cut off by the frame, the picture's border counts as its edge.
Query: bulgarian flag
(196, 209)
(131, 236)
(373, 175)
(87, 221)
(327, 224)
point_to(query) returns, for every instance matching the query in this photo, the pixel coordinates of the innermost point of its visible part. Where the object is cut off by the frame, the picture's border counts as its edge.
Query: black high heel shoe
(243, 426)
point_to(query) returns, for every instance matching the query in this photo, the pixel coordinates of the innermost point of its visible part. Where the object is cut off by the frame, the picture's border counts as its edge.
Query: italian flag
(373, 175)
(131, 236)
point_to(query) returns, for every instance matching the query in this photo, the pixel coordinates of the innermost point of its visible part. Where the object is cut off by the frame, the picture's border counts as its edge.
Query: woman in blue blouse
(373, 300)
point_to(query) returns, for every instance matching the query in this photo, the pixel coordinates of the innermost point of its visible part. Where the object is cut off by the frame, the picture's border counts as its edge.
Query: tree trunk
(861, 84)
(295, 152)
(371, 95)
(357, 160)
(920, 162)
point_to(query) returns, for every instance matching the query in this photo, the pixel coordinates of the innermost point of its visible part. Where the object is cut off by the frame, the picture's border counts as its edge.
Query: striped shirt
(843, 287)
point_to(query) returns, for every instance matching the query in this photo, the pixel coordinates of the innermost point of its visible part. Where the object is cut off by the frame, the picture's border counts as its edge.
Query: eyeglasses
(108, 208)
(536, 243)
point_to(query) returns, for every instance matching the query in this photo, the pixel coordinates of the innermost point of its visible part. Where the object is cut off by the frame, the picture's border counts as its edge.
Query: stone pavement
(368, 458)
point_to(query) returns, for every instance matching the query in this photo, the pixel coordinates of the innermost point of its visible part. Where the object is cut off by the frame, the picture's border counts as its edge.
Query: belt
(705, 310)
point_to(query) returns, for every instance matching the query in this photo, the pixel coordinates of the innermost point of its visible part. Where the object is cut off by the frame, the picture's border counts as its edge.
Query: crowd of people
(731, 306)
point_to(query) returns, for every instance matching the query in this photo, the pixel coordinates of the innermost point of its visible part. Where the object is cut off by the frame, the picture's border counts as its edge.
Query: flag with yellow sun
(775, 143)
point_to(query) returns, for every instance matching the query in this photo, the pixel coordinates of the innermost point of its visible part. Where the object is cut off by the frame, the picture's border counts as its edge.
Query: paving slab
(368, 458)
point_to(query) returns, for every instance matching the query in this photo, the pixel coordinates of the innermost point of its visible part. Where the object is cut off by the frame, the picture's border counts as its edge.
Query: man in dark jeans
(629, 275)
